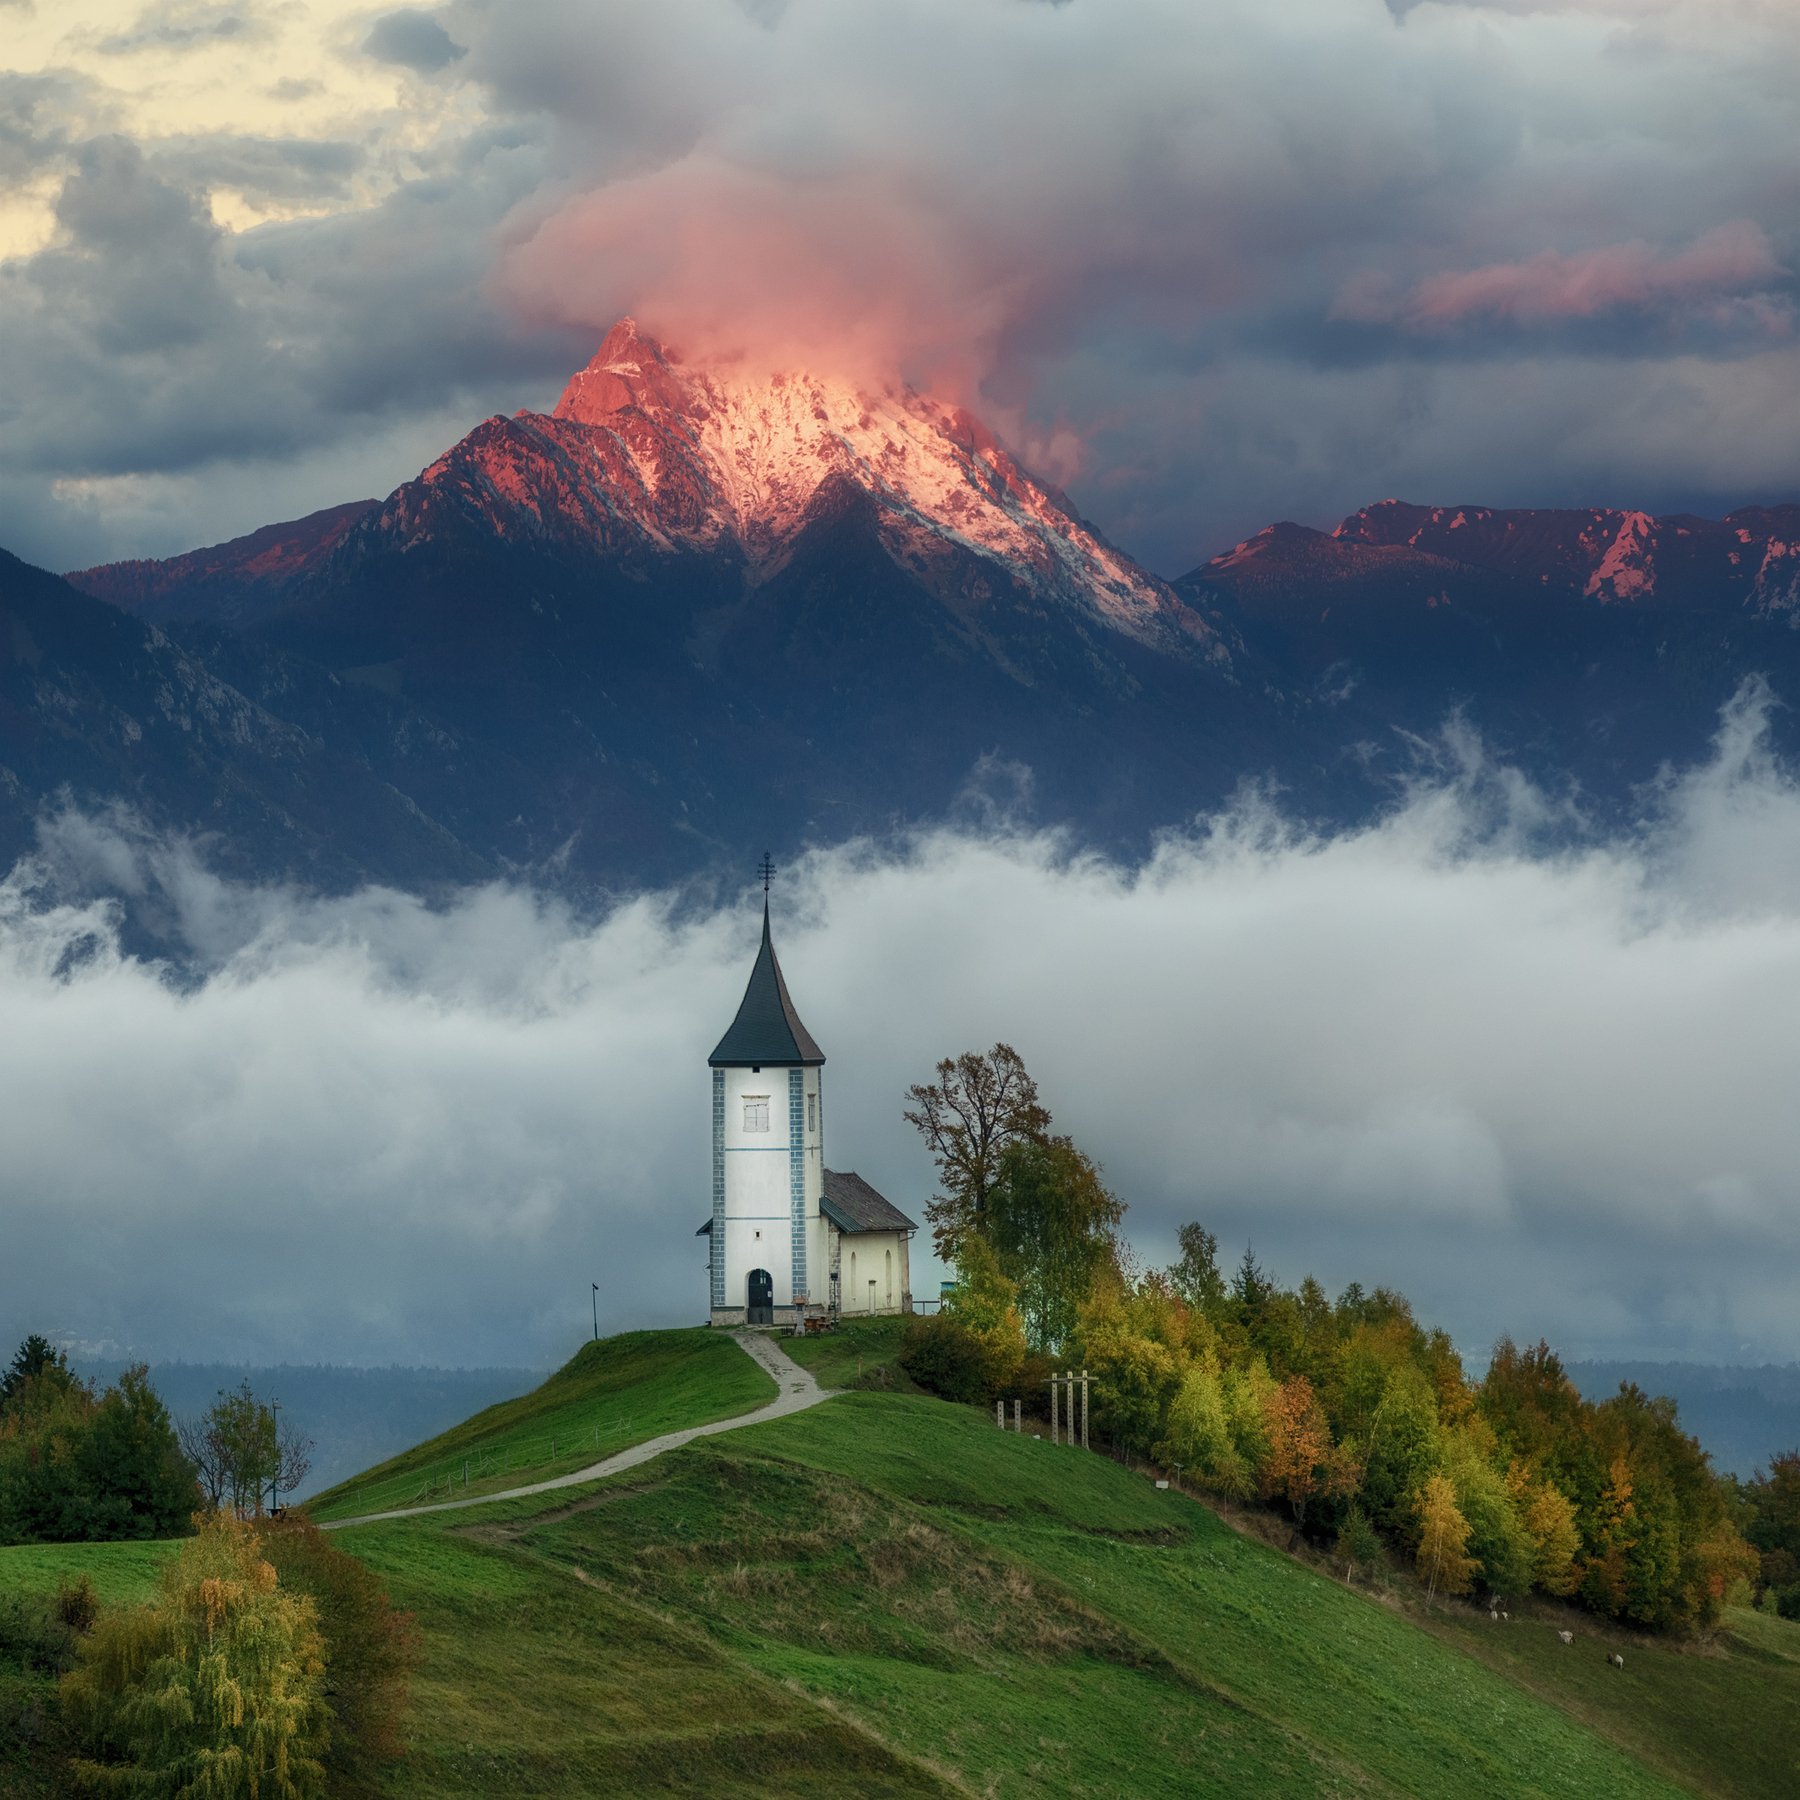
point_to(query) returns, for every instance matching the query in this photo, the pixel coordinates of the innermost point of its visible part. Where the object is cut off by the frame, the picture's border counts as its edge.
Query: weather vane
(766, 870)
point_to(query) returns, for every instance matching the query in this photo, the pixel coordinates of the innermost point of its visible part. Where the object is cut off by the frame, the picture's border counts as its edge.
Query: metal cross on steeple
(766, 869)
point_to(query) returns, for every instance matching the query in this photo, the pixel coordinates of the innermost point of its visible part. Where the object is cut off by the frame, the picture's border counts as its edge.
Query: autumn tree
(977, 1106)
(973, 1348)
(1198, 1437)
(1549, 1520)
(1443, 1536)
(1612, 1530)
(1051, 1222)
(215, 1690)
(1303, 1463)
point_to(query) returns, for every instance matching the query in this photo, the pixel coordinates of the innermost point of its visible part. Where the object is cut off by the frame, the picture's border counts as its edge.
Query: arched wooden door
(760, 1306)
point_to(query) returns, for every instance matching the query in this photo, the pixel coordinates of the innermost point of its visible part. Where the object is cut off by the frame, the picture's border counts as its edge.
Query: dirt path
(798, 1391)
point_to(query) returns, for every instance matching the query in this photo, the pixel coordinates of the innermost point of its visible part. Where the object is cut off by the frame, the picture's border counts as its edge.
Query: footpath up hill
(887, 1596)
(613, 1393)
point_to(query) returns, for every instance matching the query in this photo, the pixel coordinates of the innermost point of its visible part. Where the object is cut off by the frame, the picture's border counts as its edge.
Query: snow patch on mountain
(1627, 571)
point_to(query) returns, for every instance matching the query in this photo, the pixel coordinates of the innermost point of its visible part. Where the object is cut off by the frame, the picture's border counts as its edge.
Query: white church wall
(758, 1145)
(874, 1275)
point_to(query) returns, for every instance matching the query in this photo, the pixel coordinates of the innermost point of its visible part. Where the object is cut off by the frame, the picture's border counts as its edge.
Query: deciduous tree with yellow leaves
(214, 1692)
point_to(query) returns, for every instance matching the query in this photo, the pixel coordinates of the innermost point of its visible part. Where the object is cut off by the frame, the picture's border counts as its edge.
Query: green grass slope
(613, 1394)
(887, 1595)
(121, 1574)
(859, 1353)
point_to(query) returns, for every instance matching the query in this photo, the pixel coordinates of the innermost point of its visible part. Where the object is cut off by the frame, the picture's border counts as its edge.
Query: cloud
(182, 25)
(1540, 1085)
(1729, 275)
(1123, 230)
(415, 40)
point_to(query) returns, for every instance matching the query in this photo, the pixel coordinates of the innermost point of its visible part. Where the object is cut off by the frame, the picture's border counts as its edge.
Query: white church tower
(768, 1156)
(790, 1237)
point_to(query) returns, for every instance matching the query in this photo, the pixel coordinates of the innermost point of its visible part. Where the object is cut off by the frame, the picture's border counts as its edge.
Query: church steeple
(767, 1032)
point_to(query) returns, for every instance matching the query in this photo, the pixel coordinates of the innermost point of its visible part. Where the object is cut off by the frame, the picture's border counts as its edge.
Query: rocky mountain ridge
(699, 610)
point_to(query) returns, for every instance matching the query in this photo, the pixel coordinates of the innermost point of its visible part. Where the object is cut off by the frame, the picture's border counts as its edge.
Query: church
(789, 1240)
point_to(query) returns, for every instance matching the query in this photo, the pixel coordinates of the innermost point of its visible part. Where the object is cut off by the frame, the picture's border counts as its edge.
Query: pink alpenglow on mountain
(647, 453)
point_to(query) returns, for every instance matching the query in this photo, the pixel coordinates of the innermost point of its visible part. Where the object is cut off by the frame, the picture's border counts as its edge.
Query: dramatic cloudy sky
(1209, 262)
(1543, 1089)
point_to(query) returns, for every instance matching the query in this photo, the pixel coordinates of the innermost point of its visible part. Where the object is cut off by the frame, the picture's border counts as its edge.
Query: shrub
(32, 1637)
(370, 1650)
(77, 1605)
(945, 1358)
(1358, 1542)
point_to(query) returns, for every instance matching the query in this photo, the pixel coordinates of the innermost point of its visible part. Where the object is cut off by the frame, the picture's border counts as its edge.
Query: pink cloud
(849, 273)
(1723, 276)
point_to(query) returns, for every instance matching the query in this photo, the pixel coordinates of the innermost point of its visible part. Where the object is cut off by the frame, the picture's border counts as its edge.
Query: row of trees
(1357, 1422)
(77, 1464)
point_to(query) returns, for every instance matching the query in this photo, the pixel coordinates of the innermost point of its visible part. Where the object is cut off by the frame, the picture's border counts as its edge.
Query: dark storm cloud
(147, 346)
(1254, 261)
(1542, 1090)
(416, 40)
(1211, 241)
(264, 170)
(41, 118)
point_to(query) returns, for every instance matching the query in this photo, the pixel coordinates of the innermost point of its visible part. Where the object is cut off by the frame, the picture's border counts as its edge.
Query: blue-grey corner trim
(797, 1172)
(717, 1256)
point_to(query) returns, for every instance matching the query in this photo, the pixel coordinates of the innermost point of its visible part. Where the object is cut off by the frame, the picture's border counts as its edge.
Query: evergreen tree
(1195, 1275)
(33, 1358)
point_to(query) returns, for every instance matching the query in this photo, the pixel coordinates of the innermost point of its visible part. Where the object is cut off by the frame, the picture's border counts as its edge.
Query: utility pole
(1084, 1408)
(596, 1312)
(275, 1473)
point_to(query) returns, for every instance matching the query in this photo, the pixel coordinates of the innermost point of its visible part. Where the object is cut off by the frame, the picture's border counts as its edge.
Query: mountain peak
(630, 369)
(720, 453)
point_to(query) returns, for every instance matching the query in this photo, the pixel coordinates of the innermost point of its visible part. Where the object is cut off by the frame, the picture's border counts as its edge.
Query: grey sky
(1210, 265)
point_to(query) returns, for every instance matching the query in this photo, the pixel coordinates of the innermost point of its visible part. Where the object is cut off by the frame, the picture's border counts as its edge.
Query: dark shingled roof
(852, 1205)
(766, 1030)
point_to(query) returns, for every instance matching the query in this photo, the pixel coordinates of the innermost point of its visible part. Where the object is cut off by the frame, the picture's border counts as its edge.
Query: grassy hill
(610, 1395)
(887, 1596)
